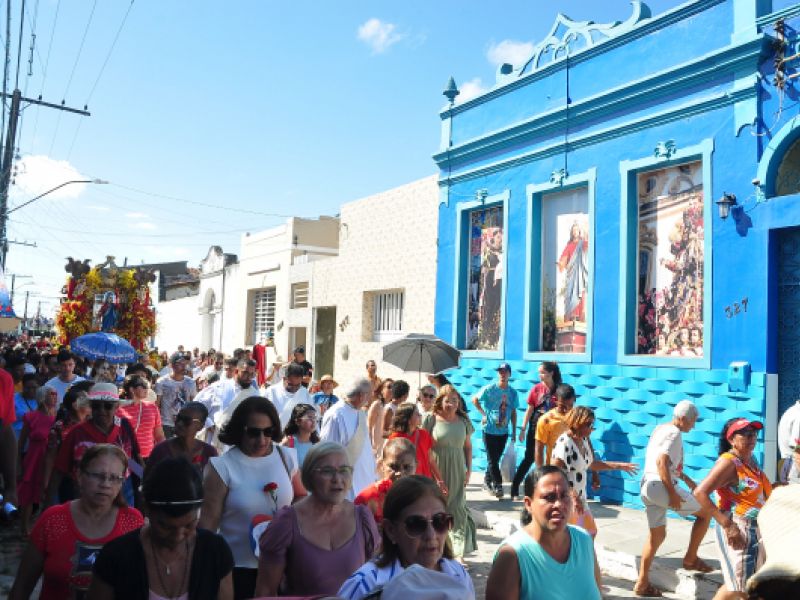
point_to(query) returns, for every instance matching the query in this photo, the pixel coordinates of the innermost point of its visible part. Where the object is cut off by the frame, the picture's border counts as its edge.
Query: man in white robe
(346, 424)
(219, 396)
(288, 393)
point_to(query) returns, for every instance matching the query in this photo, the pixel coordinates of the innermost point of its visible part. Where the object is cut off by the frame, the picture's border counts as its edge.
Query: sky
(213, 119)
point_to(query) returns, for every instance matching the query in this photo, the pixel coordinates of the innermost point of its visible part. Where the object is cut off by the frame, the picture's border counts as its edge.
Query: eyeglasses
(429, 395)
(105, 477)
(344, 472)
(99, 405)
(186, 420)
(407, 468)
(255, 432)
(416, 525)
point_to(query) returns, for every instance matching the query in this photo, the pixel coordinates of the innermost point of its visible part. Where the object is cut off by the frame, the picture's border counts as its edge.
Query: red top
(145, 418)
(7, 413)
(68, 554)
(423, 442)
(80, 438)
(373, 496)
(540, 393)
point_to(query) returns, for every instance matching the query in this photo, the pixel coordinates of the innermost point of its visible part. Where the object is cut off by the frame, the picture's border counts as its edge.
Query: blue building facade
(580, 221)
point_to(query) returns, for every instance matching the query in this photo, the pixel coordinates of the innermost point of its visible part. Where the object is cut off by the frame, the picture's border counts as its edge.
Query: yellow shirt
(550, 426)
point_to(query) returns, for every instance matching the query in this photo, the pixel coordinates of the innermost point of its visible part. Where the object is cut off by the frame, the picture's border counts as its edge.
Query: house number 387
(735, 309)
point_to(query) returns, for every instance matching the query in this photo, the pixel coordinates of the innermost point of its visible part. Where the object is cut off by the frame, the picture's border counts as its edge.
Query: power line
(100, 74)
(72, 74)
(44, 71)
(132, 231)
(204, 204)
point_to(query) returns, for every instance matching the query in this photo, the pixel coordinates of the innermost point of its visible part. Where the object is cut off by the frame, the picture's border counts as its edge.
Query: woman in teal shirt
(547, 559)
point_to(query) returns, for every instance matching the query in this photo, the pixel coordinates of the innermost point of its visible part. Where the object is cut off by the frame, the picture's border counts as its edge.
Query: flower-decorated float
(106, 298)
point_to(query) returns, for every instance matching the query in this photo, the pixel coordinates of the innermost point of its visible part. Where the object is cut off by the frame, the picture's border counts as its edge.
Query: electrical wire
(44, 71)
(72, 74)
(203, 204)
(99, 75)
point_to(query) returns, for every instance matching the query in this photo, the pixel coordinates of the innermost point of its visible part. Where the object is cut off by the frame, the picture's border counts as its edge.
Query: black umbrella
(421, 352)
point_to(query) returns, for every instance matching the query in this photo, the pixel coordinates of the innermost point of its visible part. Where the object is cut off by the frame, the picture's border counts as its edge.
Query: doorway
(325, 340)
(788, 317)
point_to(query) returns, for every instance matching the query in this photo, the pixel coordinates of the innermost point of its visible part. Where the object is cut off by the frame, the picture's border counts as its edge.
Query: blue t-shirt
(323, 399)
(544, 578)
(22, 406)
(498, 403)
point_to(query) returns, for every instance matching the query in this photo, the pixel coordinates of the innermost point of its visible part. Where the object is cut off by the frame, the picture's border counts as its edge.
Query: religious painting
(565, 271)
(670, 265)
(486, 265)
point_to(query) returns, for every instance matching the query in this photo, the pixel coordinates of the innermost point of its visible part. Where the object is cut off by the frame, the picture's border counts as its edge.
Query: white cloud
(143, 225)
(471, 89)
(37, 174)
(509, 51)
(98, 208)
(136, 215)
(378, 35)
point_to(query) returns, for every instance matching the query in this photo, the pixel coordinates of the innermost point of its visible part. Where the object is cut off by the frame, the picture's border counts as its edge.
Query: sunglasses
(99, 405)
(416, 525)
(186, 419)
(255, 432)
(429, 395)
(747, 433)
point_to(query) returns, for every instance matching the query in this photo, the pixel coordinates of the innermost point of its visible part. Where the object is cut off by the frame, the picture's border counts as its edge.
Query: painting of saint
(573, 266)
(485, 285)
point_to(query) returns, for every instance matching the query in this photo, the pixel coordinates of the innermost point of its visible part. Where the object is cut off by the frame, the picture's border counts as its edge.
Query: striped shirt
(370, 577)
(145, 418)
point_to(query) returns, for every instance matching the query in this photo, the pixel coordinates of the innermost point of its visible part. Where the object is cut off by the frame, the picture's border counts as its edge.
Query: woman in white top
(415, 528)
(247, 485)
(573, 454)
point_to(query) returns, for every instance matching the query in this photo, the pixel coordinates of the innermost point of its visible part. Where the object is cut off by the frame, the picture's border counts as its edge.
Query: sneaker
(498, 493)
(487, 487)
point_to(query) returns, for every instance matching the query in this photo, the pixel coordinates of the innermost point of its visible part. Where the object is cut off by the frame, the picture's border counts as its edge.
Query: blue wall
(700, 75)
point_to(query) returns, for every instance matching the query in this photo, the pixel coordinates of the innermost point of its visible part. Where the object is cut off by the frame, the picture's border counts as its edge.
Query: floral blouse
(746, 497)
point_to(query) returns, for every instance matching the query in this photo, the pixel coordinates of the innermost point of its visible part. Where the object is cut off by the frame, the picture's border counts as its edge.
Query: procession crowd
(199, 475)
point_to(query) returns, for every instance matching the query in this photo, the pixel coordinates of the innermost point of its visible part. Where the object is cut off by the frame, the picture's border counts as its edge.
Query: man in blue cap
(497, 403)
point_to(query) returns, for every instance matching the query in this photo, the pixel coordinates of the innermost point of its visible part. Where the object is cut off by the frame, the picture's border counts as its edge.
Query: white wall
(178, 322)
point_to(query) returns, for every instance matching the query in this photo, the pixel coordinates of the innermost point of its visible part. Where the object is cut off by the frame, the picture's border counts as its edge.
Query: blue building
(627, 203)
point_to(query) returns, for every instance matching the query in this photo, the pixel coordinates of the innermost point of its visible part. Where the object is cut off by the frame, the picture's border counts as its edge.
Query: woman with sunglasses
(143, 415)
(248, 485)
(190, 420)
(547, 559)
(36, 426)
(169, 557)
(742, 488)
(452, 431)
(415, 528)
(301, 431)
(324, 530)
(102, 427)
(572, 453)
(67, 538)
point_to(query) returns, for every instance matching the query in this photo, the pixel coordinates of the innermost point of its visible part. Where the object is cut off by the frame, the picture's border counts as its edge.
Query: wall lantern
(725, 203)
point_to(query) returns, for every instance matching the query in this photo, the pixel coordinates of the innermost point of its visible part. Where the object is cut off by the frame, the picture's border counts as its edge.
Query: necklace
(167, 591)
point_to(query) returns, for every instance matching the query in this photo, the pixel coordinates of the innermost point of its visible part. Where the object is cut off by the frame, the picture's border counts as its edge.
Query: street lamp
(58, 187)
(4, 216)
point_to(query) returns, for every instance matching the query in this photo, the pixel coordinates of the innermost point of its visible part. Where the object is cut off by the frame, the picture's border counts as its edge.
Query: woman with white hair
(346, 424)
(663, 467)
(323, 530)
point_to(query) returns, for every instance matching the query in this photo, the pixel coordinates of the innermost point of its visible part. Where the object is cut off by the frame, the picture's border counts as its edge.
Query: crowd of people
(180, 477)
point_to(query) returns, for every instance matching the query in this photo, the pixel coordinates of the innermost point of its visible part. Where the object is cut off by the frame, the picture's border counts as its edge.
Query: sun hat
(328, 378)
(740, 424)
(779, 523)
(103, 392)
(279, 360)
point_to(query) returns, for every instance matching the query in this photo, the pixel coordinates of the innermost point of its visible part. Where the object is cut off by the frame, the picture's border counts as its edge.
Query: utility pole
(25, 316)
(14, 283)
(8, 158)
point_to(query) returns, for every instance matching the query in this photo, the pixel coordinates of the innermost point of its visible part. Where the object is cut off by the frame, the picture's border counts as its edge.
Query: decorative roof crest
(568, 37)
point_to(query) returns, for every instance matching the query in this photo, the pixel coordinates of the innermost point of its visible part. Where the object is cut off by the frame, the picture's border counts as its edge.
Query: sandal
(698, 565)
(650, 591)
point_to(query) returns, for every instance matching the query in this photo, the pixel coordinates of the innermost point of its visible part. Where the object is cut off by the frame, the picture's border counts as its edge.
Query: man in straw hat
(346, 424)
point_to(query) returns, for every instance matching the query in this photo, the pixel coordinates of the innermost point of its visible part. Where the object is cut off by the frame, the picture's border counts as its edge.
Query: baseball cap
(740, 424)
(504, 366)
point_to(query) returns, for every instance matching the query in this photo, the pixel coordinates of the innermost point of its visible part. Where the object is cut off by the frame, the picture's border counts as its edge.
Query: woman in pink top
(323, 533)
(144, 416)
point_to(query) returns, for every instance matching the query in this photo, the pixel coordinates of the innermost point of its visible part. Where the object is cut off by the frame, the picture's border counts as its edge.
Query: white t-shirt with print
(577, 455)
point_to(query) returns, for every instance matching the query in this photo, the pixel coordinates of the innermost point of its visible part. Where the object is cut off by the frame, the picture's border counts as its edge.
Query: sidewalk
(621, 535)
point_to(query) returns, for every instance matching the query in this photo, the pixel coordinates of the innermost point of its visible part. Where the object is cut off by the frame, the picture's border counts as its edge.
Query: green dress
(448, 448)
